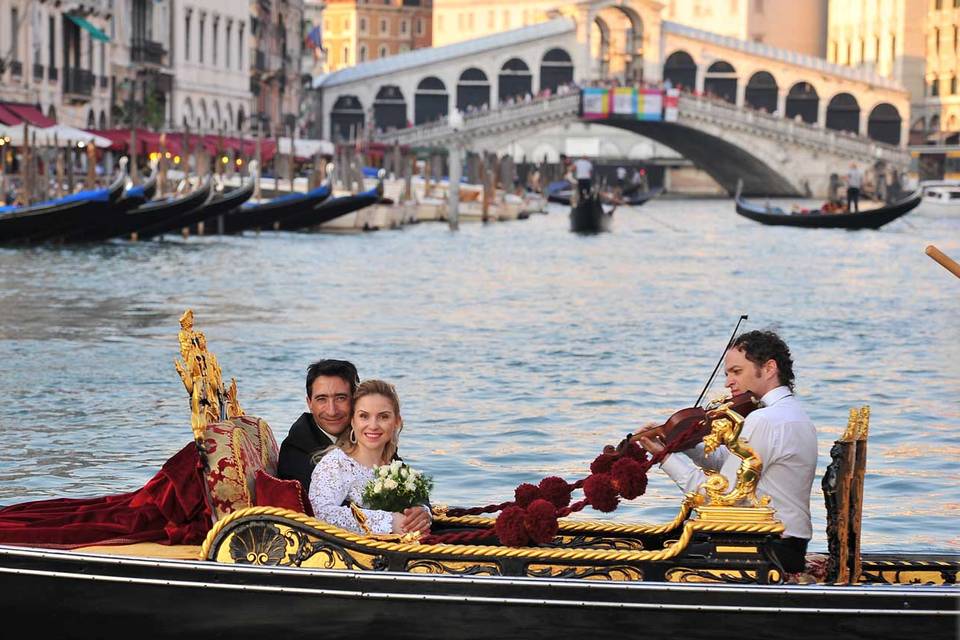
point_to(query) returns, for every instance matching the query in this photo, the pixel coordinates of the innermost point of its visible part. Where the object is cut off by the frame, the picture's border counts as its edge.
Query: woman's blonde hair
(346, 440)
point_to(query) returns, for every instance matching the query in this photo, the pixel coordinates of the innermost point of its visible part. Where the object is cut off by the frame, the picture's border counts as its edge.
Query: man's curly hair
(760, 346)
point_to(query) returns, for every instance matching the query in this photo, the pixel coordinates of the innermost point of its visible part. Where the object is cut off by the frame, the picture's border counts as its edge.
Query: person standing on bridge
(583, 170)
(854, 183)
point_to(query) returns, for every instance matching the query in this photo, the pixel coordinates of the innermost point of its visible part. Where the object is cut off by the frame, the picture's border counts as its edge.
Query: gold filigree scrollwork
(726, 426)
(411, 537)
(201, 377)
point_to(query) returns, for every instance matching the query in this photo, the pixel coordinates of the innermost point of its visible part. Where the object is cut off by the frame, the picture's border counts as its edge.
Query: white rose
(377, 486)
(390, 483)
(395, 466)
(410, 485)
(404, 472)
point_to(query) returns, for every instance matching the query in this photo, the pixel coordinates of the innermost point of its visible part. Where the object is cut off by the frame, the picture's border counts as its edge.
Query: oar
(946, 261)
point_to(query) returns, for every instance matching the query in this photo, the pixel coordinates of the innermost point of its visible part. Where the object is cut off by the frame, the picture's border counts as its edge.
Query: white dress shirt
(783, 436)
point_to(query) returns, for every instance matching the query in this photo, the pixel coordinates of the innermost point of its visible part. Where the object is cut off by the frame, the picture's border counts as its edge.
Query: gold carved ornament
(201, 376)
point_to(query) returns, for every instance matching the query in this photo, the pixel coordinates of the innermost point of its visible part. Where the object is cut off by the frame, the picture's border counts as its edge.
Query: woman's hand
(412, 519)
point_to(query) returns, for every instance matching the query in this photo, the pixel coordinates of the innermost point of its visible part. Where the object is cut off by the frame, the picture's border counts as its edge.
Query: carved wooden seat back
(843, 495)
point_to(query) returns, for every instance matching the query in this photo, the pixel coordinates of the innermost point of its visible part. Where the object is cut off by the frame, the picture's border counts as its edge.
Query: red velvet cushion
(271, 491)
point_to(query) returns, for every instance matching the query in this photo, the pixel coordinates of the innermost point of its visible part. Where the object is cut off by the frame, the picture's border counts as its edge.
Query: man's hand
(416, 519)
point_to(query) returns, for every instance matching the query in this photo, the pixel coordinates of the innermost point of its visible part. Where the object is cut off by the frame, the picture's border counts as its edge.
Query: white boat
(944, 196)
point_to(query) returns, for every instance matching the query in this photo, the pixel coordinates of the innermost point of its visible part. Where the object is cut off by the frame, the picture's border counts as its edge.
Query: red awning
(26, 112)
(181, 144)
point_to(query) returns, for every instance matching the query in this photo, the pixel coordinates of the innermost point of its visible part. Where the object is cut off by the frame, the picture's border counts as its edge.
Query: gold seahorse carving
(201, 377)
(725, 430)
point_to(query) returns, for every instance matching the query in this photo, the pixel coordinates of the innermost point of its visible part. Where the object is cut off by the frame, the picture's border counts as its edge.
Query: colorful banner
(624, 101)
(650, 104)
(595, 103)
(671, 102)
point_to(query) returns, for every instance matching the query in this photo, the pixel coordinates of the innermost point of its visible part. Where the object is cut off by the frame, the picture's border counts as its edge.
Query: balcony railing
(78, 83)
(147, 52)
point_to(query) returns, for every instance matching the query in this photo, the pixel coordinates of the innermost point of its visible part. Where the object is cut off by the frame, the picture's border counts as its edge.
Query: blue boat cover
(290, 197)
(94, 195)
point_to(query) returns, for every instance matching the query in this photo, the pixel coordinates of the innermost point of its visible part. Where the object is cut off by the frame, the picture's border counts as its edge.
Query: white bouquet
(396, 487)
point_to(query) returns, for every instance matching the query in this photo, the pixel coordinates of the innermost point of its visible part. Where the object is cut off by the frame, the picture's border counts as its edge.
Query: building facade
(54, 55)
(940, 115)
(276, 80)
(356, 31)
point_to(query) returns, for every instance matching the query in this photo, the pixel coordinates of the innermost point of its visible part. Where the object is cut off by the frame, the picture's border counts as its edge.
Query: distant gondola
(865, 219)
(218, 204)
(56, 218)
(96, 224)
(559, 192)
(590, 216)
(267, 215)
(637, 198)
(155, 212)
(331, 209)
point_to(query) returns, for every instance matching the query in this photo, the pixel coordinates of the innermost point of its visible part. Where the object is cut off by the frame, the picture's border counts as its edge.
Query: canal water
(519, 349)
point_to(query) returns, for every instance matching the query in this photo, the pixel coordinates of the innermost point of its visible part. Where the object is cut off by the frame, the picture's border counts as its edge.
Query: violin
(687, 427)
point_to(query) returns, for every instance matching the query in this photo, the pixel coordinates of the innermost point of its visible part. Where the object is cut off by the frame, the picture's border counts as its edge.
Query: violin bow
(716, 368)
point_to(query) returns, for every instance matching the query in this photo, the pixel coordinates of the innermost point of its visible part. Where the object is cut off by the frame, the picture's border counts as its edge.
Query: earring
(353, 436)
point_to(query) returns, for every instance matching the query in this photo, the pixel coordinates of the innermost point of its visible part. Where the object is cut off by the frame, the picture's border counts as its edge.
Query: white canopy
(59, 134)
(305, 147)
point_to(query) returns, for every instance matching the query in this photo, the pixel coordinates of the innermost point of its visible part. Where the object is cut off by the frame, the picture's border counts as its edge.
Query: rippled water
(519, 349)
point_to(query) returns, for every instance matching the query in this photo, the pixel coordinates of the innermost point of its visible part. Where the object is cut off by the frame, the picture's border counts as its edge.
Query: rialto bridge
(781, 120)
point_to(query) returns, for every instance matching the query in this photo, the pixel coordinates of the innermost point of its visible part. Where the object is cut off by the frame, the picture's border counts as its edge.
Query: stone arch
(803, 101)
(431, 101)
(473, 90)
(389, 108)
(953, 122)
(884, 124)
(102, 123)
(515, 80)
(346, 119)
(52, 113)
(217, 119)
(91, 119)
(761, 92)
(241, 118)
(229, 116)
(618, 29)
(680, 70)
(545, 152)
(843, 113)
(720, 80)
(187, 112)
(202, 116)
(556, 69)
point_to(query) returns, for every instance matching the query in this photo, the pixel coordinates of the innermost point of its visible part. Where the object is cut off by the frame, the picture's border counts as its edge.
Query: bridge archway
(761, 92)
(884, 124)
(346, 119)
(721, 81)
(473, 90)
(515, 80)
(803, 101)
(843, 113)
(680, 70)
(556, 69)
(431, 102)
(600, 47)
(617, 31)
(389, 108)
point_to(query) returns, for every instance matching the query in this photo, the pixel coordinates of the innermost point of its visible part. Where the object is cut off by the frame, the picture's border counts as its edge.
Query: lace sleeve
(331, 484)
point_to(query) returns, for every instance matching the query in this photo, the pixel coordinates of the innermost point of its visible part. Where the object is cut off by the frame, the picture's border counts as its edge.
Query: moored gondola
(105, 218)
(151, 213)
(56, 219)
(637, 198)
(220, 203)
(817, 219)
(330, 209)
(266, 215)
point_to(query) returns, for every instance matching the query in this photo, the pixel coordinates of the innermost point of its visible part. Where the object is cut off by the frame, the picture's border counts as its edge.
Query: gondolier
(854, 184)
(583, 171)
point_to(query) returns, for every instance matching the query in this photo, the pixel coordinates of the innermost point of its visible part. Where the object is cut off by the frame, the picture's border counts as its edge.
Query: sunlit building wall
(357, 31)
(942, 98)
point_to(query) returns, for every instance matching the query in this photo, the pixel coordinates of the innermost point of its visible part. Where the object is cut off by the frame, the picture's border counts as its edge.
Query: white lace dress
(338, 477)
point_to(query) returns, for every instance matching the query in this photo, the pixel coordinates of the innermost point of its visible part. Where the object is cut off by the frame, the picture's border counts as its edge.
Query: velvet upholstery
(273, 492)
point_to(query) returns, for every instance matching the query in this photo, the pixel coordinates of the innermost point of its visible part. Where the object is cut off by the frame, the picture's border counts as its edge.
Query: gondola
(864, 219)
(637, 198)
(96, 224)
(266, 215)
(152, 213)
(560, 192)
(330, 209)
(263, 565)
(590, 215)
(57, 218)
(221, 203)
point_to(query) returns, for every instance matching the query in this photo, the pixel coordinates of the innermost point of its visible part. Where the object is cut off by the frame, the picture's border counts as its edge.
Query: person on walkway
(780, 432)
(854, 184)
(583, 171)
(330, 388)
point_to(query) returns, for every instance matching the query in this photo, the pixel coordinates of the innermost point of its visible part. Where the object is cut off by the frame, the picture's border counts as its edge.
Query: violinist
(780, 432)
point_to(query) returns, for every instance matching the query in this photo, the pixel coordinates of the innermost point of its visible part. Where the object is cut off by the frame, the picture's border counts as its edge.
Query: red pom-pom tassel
(628, 478)
(541, 521)
(599, 492)
(510, 527)
(603, 462)
(526, 493)
(556, 490)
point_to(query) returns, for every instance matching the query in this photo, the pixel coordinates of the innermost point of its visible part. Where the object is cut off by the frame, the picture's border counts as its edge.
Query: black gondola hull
(72, 595)
(328, 210)
(868, 219)
(589, 216)
(266, 216)
(216, 205)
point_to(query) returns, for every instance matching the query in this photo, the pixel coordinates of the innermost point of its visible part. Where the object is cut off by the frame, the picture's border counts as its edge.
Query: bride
(342, 473)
